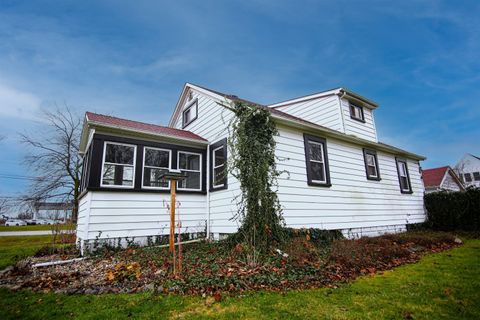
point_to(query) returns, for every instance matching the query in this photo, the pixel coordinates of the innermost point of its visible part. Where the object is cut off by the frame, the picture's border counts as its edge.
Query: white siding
(449, 183)
(135, 214)
(352, 201)
(362, 130)
(324, 111)
(83, 215)
(212, 124)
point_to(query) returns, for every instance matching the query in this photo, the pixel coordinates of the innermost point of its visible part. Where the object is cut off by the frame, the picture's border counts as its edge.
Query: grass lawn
(440, 286)
(29, 228)
(16, 248)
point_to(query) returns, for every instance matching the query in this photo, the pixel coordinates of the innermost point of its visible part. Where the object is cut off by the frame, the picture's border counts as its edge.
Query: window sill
(374, 179)
(406, 192)
(318, 184)
(357, 119)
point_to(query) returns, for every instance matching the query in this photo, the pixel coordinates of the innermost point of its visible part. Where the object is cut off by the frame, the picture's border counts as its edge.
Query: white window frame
(152, 167)
(128, 165)
(403, 165)
(322, 162)
(200, 169)
(216, 186)
(375, 165)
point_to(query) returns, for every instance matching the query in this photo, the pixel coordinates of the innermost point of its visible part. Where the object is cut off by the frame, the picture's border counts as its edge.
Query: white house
(339, 175)
(468, 169)
(443, 178)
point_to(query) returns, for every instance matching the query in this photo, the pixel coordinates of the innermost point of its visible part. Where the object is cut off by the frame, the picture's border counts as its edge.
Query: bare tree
(54, 158)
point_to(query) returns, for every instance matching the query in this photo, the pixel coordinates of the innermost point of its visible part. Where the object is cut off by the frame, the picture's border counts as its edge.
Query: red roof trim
(145, 127)
(433, 177)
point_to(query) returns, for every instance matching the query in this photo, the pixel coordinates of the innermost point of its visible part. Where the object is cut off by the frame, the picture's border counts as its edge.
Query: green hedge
(454, 210)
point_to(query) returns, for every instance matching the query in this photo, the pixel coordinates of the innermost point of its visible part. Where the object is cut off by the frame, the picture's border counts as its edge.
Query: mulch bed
(215, 268)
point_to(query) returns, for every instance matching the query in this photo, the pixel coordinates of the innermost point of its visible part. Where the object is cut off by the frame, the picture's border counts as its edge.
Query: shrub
(454, 210)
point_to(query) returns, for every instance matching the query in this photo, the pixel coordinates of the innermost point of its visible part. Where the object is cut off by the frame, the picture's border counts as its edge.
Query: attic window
(190, 113)
(476, 176)
(468, 177)
(356, 112)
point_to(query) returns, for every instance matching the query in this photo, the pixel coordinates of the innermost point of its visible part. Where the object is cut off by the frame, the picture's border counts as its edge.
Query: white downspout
(341, 109)
(208, 192)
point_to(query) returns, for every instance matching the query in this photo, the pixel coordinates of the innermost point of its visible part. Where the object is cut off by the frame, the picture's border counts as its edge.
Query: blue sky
(418, 59)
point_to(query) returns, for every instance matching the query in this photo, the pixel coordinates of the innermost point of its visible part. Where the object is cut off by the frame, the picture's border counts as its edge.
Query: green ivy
(252, 161)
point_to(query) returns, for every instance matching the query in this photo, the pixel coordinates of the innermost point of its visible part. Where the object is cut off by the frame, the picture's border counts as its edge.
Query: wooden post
(172, 215)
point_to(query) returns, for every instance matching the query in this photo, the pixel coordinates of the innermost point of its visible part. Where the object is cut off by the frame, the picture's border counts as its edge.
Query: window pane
(189, 161)
(191, 182)
(404, 183)
(219, 158)
(318, 172)
(186, 116)
(115, 153)
(315, 151)
(151, 178)
(402, 169)
(156, 158)
(372, 171)
(468, 177)
(370, 160)
(219, 176)
(117, 175)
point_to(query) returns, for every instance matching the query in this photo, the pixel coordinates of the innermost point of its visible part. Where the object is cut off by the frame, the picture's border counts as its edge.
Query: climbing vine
(252, 162)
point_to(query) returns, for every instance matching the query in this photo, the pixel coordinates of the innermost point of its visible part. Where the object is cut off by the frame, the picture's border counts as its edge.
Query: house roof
(110, 121)
(299, 121)
(434, 177)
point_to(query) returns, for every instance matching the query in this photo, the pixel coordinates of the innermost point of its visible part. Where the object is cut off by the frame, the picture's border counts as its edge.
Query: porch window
(118, 165)
(316, 161)
(85, 170)
(356, 112)
(190, 163)
(403, 176)
(155, 162)
(371, 164)
(190, 113)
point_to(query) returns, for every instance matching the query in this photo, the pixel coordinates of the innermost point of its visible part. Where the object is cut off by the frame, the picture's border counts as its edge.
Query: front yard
(441, 286)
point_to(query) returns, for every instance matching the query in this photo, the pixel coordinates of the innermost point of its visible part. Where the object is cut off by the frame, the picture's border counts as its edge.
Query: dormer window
(190, 113)
(356, 112)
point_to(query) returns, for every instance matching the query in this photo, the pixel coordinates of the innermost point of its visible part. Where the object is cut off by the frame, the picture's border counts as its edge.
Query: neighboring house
(52, 210)
(339, 175)
(468, 169)
(443, 178)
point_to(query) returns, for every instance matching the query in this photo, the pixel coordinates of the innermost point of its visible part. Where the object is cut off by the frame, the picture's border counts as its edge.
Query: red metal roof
(145, 127)
(433, 177)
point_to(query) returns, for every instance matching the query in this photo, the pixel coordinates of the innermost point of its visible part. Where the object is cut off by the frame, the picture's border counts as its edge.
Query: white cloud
(18, 104)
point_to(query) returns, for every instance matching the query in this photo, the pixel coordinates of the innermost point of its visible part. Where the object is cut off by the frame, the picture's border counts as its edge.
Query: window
(218, 159)
(371, 164)
(356, 112)
(468, 177)
(85, 170)
(190, 113)
(403, 176)
(190, 164)
(118, 165)
(316, 161)
(155, 163)
(476, 176)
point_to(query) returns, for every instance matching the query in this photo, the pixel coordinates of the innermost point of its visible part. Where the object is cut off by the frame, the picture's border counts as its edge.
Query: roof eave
(146, 133)
(349, 138)
(350, 95)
